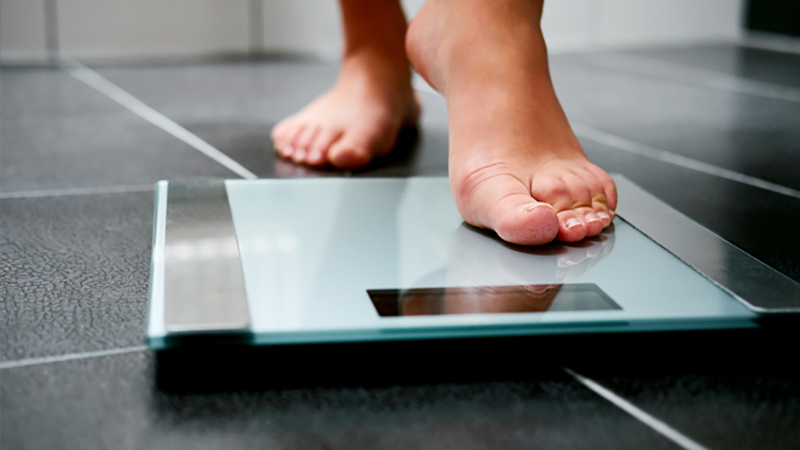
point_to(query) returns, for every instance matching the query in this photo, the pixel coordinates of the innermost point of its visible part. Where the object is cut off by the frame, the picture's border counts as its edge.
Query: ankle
(368, 67)
(450, 39)
(374, 26)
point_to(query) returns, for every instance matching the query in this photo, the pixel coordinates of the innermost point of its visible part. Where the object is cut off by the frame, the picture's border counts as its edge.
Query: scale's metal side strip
(758, 286)
(204, 287)
(156, 288)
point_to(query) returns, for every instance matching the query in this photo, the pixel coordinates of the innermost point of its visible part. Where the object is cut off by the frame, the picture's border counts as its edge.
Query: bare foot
(361, 117)
(516, 167)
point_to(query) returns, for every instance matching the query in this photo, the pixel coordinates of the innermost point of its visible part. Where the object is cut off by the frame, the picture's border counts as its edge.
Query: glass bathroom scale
(335, 260)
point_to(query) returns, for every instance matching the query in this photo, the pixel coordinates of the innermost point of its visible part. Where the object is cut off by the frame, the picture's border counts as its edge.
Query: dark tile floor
(75, 265)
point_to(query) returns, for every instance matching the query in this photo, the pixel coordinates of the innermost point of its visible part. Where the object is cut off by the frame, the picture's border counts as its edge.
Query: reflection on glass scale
(334, 260)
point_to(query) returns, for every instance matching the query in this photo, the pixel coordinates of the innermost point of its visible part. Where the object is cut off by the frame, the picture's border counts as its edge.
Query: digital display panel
(490, 299)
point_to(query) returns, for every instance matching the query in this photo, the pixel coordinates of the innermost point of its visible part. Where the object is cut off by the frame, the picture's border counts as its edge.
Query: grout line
(51, 34)
(256, 26)
(69, 357)
(77, 191)
(621, 143)
(645, 150)
(104, 86)
(660, 427)
(702, 77)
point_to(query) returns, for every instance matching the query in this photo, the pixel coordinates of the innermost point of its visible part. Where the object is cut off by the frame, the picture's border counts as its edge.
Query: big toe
(505, 205)
(354, 150)
(526, 222)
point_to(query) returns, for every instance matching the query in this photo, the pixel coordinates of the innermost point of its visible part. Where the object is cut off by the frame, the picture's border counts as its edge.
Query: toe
(316, 158)
(289, 147)
(595, 214)
(504, 204)
(286, 146)
(282, 132)
(285, 150)
(302, 143)
(352, 151)
(571, 227)
(571, 197)
(609, 189)
(318, 150)
(299, 155)
(294, 138)
(593, 222)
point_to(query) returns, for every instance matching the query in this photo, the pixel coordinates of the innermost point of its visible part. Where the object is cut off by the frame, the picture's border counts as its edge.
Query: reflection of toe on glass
(594, 250)
(568, 261)
(537, 288)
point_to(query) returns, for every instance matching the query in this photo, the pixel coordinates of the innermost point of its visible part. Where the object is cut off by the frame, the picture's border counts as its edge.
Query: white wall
(22, 30)
(632, 22)
(156, 28)
(165, 28)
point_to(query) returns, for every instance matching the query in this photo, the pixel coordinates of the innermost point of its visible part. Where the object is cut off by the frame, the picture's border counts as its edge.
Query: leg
(362, 115)
(515, 165)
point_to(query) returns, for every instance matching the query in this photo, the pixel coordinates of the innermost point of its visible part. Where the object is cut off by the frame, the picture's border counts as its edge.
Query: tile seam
(620, 143)
(136, 106)
(68, 357)
(77, 191)
(681, 73)
(639, 414)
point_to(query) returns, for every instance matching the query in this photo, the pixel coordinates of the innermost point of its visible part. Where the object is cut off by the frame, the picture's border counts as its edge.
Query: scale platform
(334, 260)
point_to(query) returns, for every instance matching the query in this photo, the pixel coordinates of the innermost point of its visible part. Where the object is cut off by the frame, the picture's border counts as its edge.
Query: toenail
(300, 154)
(572, 223)
(603, 215)
(592, 217)
(287, 151)
(315, 155)
(530, 206)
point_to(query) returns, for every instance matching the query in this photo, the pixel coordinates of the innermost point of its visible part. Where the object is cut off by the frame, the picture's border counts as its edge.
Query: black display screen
(490, 299)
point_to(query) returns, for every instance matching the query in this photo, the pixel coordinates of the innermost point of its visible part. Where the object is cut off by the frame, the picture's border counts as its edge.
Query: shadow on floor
(235, 367)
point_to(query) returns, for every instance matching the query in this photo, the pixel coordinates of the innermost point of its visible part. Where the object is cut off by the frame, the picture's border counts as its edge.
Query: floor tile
(75, 273)
(724, 389)
(758, 221)
(748, 63)
(234, 107)
(748, 134)
(57, 133)
(111, 402)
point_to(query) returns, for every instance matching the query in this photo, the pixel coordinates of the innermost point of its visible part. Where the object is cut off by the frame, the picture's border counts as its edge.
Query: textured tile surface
(74, 273)
(74, 269)
(110, 402)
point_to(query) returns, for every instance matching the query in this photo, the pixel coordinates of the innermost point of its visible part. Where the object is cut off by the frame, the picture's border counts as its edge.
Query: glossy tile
(57, 133)
(758, 221)
(748, 63)
(75, 270)
(235, 106)
(753, 135)
(724, 389)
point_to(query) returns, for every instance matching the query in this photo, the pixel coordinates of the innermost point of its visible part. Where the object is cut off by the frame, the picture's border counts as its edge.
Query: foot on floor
(358, 120)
